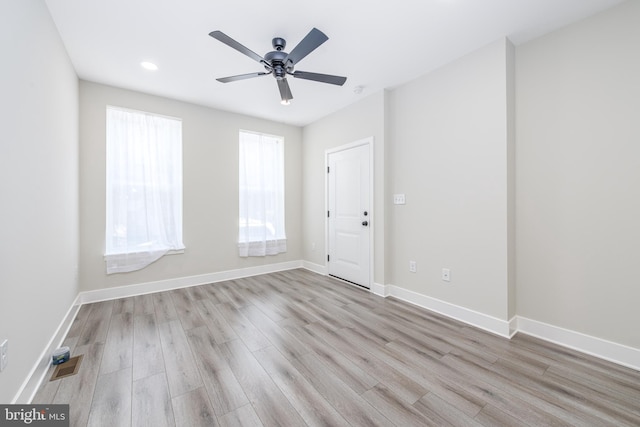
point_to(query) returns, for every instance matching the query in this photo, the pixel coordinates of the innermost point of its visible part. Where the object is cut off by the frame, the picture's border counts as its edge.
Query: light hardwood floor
(295, 348)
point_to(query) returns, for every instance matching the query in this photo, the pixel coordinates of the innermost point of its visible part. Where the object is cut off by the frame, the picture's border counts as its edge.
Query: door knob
(365, 223)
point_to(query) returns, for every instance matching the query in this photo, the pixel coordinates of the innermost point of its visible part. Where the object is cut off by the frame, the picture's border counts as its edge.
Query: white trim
(182, 282)
(147, 113)
(316, 268)
(380, 290)
(369, 141)
(31, 384)
(474, 318)
(603, 349)
(513, 326)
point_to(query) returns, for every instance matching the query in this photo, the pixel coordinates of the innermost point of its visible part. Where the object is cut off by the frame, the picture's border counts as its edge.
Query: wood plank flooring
(295, 348)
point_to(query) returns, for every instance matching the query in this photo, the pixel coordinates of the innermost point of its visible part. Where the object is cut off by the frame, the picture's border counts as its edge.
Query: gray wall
(210, 186)
(38, 186)
(449, 155)
(578, 176)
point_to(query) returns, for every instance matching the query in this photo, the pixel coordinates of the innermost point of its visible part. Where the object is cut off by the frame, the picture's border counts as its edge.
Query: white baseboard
(603, 349)
(380, 290)
(182, 282)
(513, 326)
(30, 386)
(474, 318)
(316, 268)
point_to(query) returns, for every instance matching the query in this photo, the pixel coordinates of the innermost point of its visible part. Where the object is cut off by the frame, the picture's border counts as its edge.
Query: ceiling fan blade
(241, 77)
(285, 91)
(308, 44)
(219, 35)
(323, 78)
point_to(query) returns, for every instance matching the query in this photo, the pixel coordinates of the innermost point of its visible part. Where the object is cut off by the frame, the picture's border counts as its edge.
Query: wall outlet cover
(413, 267)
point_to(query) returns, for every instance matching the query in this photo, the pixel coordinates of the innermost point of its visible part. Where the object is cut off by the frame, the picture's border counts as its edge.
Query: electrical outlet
(413, 267)
(446, 275)
(4, 348)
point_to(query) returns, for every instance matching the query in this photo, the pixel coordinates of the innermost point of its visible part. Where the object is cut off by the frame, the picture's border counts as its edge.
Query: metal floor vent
(68, 368)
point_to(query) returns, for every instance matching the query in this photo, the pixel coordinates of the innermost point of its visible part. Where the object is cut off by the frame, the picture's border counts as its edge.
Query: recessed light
(149, 66)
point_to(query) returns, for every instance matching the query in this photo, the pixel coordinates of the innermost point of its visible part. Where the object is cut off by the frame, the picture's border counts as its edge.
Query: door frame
(369, 142)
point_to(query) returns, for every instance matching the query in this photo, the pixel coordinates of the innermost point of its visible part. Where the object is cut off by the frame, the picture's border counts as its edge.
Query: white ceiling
(376, 44)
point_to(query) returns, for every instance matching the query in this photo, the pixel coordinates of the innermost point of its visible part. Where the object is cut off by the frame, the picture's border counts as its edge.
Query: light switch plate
(398, 199)
(446, 274)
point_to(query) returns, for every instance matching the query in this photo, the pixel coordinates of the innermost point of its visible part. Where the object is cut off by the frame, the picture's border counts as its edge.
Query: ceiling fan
(280, 63)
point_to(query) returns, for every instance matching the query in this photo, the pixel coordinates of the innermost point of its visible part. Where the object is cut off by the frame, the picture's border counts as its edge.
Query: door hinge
(328, 214)
(327, 257)
(327, 169)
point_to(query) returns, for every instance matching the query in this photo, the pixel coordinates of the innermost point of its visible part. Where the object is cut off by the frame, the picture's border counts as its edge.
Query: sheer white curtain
(144, 189)
(261, 222)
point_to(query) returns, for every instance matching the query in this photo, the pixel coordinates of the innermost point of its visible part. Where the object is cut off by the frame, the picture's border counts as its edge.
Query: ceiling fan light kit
(279, 63)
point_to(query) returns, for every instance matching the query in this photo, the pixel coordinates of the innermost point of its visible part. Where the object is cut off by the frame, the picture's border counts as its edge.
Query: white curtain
(261, 221)
(144, 189)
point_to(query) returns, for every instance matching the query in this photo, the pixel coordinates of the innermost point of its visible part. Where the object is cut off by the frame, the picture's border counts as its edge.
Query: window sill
(171, 252)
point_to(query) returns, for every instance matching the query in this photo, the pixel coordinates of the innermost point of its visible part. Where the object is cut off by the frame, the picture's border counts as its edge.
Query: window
(144, 188)
(261, 221)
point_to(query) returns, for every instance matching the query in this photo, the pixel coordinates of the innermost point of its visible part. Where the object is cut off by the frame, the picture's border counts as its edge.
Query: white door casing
(349, 215)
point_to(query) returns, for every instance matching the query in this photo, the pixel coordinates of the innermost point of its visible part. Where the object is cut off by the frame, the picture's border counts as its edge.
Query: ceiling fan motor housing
(277, 58)
(278, 43)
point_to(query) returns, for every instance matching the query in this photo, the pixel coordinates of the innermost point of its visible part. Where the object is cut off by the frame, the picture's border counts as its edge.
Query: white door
(349, 214)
